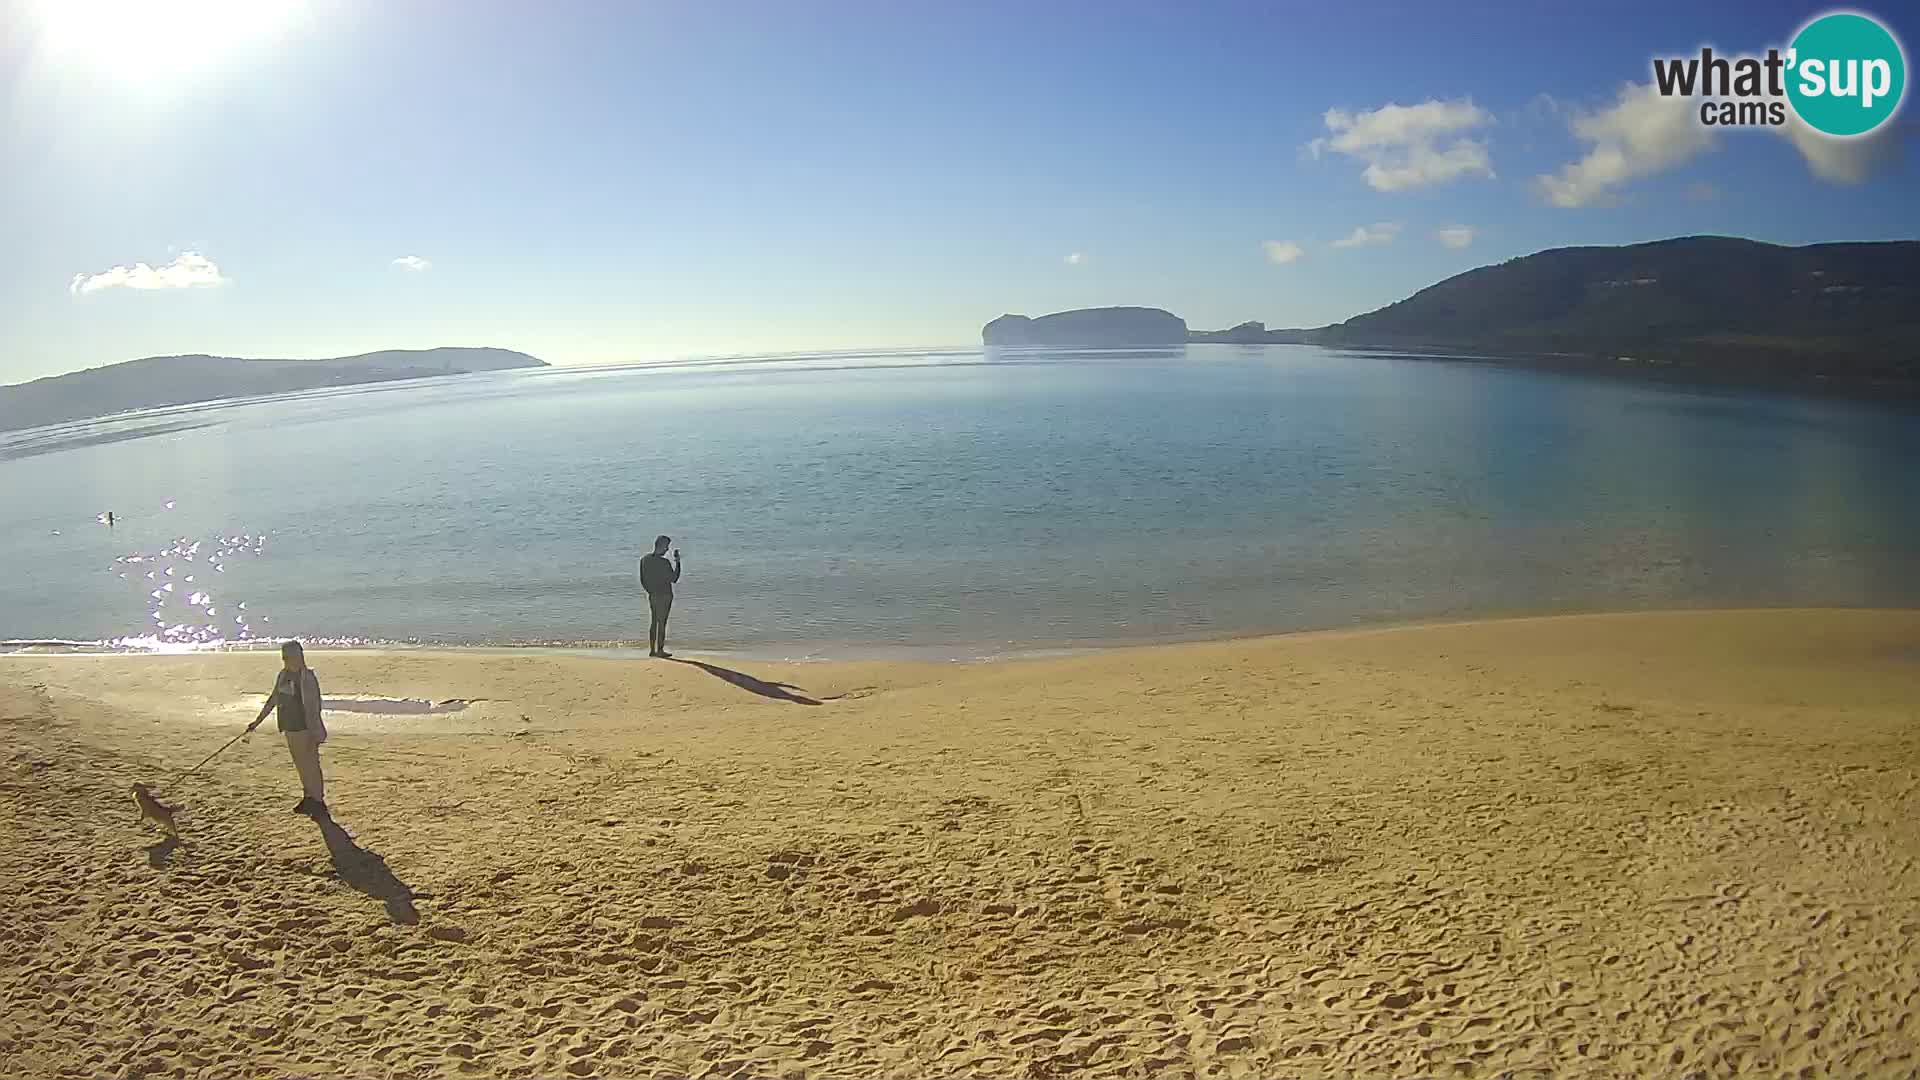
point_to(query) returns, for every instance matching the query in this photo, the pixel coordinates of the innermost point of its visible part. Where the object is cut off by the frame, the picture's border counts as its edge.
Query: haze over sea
(950, 504)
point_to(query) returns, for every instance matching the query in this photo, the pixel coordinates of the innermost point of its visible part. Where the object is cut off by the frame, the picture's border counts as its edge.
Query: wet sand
(1663, 844)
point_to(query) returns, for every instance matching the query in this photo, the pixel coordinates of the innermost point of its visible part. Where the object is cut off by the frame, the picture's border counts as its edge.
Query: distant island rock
(157, 381)
(1124, 327)
(1108, 327)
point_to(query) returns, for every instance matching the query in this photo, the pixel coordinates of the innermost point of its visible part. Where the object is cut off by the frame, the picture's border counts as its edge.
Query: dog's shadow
(367, 872)
(160, 854)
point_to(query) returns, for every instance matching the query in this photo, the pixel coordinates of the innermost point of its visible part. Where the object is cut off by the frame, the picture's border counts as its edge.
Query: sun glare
(134, 39)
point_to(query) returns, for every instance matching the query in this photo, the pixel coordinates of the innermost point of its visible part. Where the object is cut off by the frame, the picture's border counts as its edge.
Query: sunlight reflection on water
(199, 624)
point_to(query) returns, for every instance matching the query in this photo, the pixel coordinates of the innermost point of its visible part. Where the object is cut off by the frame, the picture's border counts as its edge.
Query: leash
(244, 732)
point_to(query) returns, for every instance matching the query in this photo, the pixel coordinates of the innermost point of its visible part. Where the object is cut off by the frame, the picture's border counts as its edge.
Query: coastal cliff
(1108, 327)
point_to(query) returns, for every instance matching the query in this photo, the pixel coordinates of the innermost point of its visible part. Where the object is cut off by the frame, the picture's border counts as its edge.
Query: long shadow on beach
(775, 690)
(367, 871)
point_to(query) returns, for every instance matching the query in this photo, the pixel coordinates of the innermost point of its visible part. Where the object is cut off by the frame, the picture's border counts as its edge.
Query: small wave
(618, 648)
(159, 645)
(17, 644)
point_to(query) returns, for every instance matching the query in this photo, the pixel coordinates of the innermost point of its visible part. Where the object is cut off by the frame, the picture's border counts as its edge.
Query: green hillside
(1707, 303)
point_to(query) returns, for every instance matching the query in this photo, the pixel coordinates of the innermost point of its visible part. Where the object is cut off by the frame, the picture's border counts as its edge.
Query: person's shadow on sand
(776, 691)
(367, 871)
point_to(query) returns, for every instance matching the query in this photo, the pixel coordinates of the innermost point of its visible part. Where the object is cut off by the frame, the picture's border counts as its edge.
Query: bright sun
(134, 39)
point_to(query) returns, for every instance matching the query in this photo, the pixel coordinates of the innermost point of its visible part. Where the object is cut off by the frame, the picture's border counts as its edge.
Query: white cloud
(1454, 236)
(414, 263)
(1283, 252)
(1392, 126)
(1425, 165)
(1403, 144)
(189, 270)
(1078, 258)
(1374, 235)
(1641, 134)
(1844, 161)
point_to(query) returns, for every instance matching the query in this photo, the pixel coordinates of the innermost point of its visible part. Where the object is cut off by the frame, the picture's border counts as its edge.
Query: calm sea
(950, 503)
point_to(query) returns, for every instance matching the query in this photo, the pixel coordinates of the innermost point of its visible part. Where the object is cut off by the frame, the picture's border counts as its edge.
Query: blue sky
(603, 182)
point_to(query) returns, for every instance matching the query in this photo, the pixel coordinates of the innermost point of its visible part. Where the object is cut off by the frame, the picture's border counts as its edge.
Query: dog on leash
(152, 809)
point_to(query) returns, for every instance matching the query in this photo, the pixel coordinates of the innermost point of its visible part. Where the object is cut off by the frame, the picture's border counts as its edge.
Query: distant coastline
(160, 381)
(1824, 318)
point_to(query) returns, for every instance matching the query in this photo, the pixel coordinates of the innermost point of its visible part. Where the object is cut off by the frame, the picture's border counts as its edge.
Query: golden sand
(1630, 845)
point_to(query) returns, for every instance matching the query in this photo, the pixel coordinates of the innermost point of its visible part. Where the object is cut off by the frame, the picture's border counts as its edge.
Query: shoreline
(1891, 394)
(863, 654)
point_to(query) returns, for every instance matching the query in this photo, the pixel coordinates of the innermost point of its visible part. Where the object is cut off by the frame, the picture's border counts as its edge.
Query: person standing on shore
(657, 576)
(296, 700)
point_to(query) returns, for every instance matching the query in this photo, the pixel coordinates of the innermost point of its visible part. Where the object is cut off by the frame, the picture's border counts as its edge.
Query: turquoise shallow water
(951, 503)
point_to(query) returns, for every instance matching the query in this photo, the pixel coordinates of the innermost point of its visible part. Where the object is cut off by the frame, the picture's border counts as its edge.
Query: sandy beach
(1623, 845)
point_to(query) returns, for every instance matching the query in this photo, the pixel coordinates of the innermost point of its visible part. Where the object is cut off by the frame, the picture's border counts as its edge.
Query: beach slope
(1652, 844)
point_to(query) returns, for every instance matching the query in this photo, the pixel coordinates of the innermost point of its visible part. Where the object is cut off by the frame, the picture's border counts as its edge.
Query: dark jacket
(657, 575)
(297, 702)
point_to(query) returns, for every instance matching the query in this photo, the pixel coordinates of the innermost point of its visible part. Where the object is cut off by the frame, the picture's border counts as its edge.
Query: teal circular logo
(1846, 74)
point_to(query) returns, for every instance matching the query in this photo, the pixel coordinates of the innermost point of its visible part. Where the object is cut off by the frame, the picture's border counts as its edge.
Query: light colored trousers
(306, 758)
